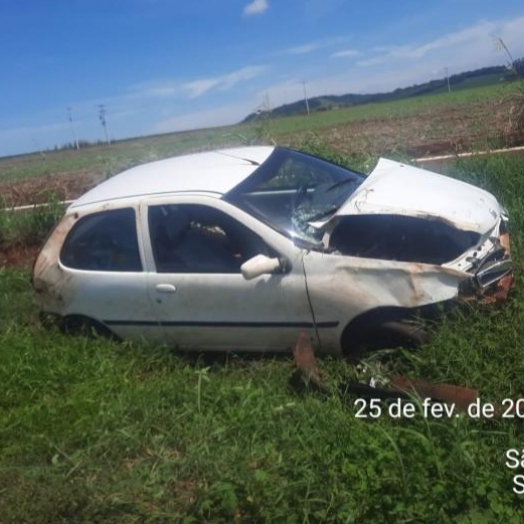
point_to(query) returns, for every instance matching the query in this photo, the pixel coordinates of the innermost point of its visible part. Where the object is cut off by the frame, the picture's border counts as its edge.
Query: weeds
(319, 146)
(513, 127)
(29, 227)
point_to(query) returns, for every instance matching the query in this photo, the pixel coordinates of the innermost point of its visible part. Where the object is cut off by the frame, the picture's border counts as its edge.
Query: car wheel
(404, 334)
(390, 334)
(84, 326)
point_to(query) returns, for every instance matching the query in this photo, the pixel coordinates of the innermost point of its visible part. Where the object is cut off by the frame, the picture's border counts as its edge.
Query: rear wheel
(85, 326)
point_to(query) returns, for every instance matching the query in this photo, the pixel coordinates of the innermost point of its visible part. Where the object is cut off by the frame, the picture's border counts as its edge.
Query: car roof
(213, 171)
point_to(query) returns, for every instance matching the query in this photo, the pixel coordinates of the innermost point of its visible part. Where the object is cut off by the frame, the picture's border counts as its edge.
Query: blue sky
(169, 65)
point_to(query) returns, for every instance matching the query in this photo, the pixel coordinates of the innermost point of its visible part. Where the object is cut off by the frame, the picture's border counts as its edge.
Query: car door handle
(165, 288)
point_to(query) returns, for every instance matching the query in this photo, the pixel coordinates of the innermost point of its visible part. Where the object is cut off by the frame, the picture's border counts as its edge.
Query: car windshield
(295, 193)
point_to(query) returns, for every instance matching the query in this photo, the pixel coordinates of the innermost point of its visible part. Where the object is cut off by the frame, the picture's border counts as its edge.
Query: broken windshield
(295, 193)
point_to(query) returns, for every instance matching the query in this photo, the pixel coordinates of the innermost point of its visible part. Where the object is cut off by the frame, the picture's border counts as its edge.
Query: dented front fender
(342, 288)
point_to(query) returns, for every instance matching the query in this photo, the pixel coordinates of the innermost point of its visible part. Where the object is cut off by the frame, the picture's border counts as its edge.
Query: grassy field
(97, 432)
(386, 110)
(113, 158)
(377, 128)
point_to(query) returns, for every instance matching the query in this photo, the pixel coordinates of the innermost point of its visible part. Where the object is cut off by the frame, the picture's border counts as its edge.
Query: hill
(466, 80)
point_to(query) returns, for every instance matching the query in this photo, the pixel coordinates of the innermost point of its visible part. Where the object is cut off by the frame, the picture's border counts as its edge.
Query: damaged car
(246, 248)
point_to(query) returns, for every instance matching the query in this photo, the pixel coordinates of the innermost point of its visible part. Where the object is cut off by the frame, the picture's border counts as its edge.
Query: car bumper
(494, 276)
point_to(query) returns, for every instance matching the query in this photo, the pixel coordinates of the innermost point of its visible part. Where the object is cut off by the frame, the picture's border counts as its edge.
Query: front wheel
(389, 334)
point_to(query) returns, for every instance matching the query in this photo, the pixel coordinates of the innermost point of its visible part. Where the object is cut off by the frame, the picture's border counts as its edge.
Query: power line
(102, 116)
(305, 97)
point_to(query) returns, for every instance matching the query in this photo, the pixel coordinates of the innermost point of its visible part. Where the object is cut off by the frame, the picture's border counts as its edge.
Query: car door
(202, 301)
(101, 274)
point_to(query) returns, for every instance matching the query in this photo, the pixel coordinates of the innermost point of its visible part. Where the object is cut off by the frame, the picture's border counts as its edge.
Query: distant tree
(518, 67)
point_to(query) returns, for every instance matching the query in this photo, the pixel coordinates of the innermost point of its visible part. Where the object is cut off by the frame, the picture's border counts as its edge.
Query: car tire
(389, 334)
(85, 326)
(405, 334)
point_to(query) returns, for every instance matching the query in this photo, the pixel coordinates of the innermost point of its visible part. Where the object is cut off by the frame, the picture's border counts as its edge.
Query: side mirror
(259, 265)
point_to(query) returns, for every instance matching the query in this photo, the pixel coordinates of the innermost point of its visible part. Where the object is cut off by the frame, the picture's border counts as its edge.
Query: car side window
(192, 238)
(104, 241)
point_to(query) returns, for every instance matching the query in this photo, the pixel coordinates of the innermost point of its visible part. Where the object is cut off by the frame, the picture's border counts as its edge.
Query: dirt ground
(428, 133)
(64, 186)
(18, 256)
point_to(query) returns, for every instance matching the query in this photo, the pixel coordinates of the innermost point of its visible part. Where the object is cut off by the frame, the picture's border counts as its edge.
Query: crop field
(93, 431)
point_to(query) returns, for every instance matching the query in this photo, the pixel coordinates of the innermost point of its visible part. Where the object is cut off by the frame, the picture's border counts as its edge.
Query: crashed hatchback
(243, 249)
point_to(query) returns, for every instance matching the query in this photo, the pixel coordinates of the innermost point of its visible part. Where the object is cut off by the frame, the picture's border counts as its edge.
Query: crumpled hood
(395, 188)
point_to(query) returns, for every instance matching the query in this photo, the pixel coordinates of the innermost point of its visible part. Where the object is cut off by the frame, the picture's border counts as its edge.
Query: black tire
(405, 334)
(387, 335)
(84, 326)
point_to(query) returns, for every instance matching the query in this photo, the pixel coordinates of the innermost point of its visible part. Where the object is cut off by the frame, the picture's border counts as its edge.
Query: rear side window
(104, 241)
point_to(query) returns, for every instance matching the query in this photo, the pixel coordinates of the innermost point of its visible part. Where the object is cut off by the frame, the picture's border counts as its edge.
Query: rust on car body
(48, 277)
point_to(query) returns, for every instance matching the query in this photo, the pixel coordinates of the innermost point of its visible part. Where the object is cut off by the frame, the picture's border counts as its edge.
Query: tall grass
(29, 227)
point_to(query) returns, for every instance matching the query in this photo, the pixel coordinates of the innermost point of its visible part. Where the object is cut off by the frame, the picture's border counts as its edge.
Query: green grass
(384, 110)
(111, 159)
(94, 431)
(492, 80)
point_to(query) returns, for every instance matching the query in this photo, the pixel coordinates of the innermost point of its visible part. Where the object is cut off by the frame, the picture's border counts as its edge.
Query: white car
(244, 249)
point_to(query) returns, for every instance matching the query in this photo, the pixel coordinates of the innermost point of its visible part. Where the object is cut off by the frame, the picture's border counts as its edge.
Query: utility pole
(267, 103)
(305, 96)
(447, 80)
(102, 117)
(70, 118)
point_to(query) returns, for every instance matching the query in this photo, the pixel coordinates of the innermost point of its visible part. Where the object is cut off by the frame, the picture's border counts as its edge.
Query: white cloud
(345, 53)
(256, 7)
(152, 89)
(308, 47)
(303, 49)
(199, 87)
(373, 61)
(165, 89)
(160, 91)
(473, 45)
(224, 115)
